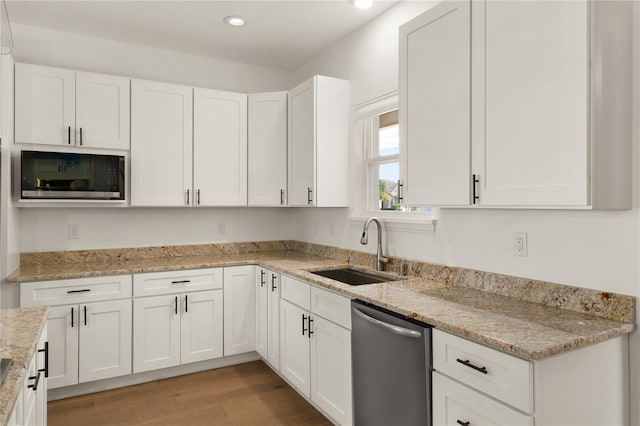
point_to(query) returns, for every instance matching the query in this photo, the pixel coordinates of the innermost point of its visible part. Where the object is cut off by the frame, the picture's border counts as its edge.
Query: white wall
(42, 229)
(597, 250)
(67, 50)
(589, 249)
(45, 229)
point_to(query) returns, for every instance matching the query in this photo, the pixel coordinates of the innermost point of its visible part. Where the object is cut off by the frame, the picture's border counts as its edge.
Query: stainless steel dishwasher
(391, 364)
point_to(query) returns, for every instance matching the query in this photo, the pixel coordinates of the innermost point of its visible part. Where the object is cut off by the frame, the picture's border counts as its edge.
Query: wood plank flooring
(245, 394)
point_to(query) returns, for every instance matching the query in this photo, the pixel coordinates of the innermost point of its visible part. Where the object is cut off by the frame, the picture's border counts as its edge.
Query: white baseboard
(149, 376)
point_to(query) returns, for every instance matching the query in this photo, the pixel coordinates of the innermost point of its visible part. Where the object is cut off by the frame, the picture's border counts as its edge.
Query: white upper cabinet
(540, 116)
(219, 148)
(161, 144)
(435, 135)
(318, 145)
(267, 140)
(62, 107)
(102, 111)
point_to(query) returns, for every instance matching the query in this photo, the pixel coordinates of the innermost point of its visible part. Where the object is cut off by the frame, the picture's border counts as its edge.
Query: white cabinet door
(102, 111)
(456, 404)
(273, 331)
(42, 364)
(301, 157)
(219, 148)
(201, 328)
(267, 149)
(44, 105)
(318, 145)
(239, 310)
(331, 369)
(62, 326)
(295, 347)
(156, 333)
(105, 340)
(531, 102)
(435, 144)
(262, 312)
(161, 144)
(30, 394)
(16, 418)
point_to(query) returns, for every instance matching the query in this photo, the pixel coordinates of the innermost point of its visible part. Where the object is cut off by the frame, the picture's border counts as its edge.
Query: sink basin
(353, 276)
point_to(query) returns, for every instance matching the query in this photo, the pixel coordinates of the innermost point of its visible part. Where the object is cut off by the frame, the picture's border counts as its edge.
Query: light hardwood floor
(246, 394)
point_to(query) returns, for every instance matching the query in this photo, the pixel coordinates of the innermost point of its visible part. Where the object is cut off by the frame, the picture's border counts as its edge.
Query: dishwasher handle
(390, 327)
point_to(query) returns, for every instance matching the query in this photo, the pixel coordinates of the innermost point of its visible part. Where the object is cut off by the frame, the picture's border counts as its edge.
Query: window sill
(418, 225)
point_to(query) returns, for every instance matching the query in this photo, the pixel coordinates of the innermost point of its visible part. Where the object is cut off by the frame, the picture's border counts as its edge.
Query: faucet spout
(380, 259)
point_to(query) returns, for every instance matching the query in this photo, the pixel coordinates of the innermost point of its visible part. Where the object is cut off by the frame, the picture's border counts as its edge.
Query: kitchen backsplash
(602, 304)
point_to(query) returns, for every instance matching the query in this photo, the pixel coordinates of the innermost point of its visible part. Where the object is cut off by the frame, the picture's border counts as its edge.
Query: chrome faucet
(380, 259)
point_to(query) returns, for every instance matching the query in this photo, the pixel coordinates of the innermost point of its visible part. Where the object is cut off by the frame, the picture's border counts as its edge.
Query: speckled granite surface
(528, 318)
(19, 333)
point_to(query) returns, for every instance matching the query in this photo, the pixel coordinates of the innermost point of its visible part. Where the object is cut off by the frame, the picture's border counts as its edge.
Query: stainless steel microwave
(70, 176)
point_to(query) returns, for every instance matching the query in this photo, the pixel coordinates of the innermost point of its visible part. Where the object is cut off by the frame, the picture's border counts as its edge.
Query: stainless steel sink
(354, 276)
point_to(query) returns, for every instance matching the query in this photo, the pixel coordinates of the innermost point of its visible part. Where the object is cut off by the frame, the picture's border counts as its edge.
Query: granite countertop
(20, 330)
(528, 330)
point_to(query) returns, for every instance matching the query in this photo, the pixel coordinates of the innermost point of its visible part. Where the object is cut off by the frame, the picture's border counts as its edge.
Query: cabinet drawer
(296, 291)
(158, 283)
(80, 290)
(331, 306)
(495, 373)
(455, 404)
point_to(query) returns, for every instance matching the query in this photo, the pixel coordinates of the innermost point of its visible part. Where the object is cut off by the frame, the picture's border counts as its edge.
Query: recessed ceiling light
(235, 21)
(362, 4)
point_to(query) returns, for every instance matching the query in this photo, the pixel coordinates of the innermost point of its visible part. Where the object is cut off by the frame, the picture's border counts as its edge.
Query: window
(378, 130)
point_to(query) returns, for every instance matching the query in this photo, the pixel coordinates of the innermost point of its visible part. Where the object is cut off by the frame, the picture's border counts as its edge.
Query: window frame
(366, 136)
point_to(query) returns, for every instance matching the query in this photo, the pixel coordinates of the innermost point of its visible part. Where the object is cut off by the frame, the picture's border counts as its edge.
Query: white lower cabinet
(455, 404)
(268, 316)
(30, 408)
(240, 310)
(181, 320)
(89, 325)
(91, 341)
(477, 385)
(315, 352)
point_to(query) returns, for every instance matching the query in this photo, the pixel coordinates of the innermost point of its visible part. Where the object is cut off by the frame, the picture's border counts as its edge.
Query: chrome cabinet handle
(187, 197)
(186, 303)
(78, 291)
(390, 327)
(69, 135)
(262, 274)
(180, 282)
(198, 197)
(176, 305)
(273, 282)
(281, 196)
(72, 317)
(309, 197)
(80, 136)
(309, 321)
(461, 423)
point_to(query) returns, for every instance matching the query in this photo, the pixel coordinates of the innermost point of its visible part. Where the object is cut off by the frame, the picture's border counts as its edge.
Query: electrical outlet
(520, 244)
(332, 228)
(221, 228)
(73, 231)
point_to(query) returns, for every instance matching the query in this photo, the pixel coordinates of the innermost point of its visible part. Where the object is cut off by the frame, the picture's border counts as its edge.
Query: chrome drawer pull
(461, 423)
(181, 282)
(466, 362)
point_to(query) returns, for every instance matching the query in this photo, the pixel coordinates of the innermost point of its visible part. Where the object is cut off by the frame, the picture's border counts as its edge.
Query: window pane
(388, 136)
(388, 173)
(389, 140)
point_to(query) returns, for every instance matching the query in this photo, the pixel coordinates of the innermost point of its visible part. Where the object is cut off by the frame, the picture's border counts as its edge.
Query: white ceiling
(278, 34)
